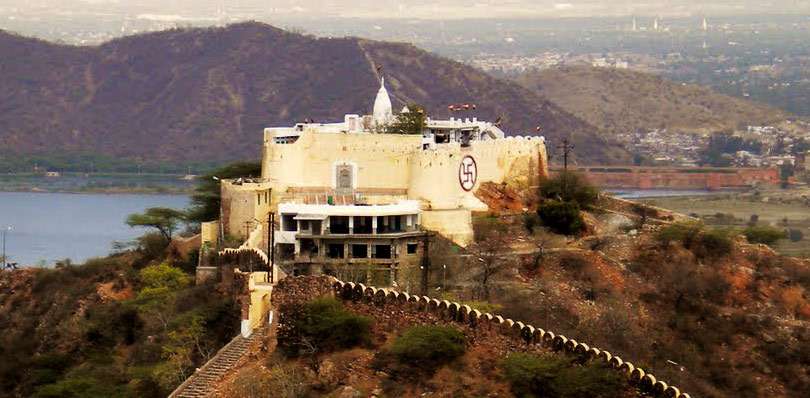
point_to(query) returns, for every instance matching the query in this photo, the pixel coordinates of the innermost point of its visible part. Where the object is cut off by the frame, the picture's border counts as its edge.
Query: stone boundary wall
(465, 315)
(633, 177)
(240, 255)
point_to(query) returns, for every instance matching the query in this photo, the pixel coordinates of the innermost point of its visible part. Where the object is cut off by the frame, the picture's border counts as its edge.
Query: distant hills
(204, 95)
(616, 100)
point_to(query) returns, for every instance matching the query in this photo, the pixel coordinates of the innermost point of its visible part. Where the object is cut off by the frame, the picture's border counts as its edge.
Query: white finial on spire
(383, 112)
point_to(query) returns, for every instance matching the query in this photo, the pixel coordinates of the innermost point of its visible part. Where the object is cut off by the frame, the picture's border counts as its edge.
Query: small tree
(411, 122)
(540, 244)
(644, 213)
(164, 219)
(322, 325)
(160, 284)
(765, 235)
(205, 201)
(569, 187)
(490, 245)
(530, 222)
(562, 217)
(163, 277)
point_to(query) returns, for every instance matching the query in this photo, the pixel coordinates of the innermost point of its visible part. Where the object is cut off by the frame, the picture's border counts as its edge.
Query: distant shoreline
(98, 183)
(102, 192)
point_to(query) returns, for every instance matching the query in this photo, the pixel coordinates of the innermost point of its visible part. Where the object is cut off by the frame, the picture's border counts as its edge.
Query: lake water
(659, 193)
(47, 227)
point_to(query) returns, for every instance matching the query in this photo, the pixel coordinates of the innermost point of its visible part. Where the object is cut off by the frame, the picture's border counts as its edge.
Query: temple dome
(383, 111)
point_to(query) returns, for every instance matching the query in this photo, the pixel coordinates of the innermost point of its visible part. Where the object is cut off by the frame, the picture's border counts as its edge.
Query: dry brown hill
(206, 94)
(622, 100)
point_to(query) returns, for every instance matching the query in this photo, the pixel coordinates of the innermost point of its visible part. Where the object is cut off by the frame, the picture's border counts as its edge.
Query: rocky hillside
(206, 94)
(622, 100)
(351, 347)
(701, 309)
(112, 327)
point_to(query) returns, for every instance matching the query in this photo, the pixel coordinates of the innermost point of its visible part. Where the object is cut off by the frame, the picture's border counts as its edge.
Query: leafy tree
(164, 219)
(411, 122)
(569, 187)
(714, 243)
(179, 351)
(158, 296)
(205, 201)
(766, 235)
(321, 325)
(703, 244)
(684, 232)
(561, 217)
(163, 276)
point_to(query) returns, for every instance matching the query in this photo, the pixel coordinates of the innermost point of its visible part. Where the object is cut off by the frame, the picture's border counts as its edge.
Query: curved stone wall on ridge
(463, 314)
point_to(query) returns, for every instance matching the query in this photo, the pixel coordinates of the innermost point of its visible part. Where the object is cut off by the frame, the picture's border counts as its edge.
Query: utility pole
(444, 277)
(425, 265)
(567, 147)
(247, 229)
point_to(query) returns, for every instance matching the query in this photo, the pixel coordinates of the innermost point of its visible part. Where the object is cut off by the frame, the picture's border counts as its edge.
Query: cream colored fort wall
(385, 164)
(435, 180)
(382, 160)
(435, 173)
(249, 202)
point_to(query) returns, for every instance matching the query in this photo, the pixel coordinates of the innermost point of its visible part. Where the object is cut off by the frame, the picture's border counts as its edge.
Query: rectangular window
(339, 224)
(359, 251)
(362, 225)
(288, 222)
(382, 251)
(412, 248)
(335, 250)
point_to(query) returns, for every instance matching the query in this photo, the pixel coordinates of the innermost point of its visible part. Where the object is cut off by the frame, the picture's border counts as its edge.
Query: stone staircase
(203, 382)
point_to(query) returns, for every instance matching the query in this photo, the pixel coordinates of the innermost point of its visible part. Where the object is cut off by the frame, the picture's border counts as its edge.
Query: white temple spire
(383, 111)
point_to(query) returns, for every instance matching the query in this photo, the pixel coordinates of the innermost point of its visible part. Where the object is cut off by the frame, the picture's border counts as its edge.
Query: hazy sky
(442, 9)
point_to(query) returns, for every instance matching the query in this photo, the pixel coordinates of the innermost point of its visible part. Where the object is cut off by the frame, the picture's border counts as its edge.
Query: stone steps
(203, 382)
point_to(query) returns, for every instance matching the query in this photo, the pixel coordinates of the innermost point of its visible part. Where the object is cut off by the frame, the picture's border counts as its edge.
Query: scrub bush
(546, 376)
(765, 235)
(323, 325)
(561, 217)
(429, 346)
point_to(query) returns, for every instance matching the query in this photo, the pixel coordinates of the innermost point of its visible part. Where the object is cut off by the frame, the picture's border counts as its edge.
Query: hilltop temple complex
(353, 198)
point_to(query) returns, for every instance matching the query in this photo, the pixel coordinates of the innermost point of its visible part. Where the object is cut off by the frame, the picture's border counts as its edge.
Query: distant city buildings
(774, 147)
